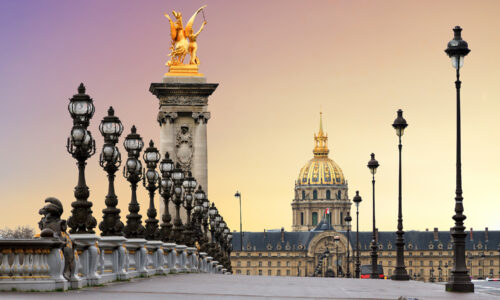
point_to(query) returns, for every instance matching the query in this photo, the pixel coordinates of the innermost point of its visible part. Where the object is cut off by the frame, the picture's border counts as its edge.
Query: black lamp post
(348, 220)
(166, 168)
(133, 173)
(151, 157)
(336, 240)
(440, 278)
(238, 195)
(178, 177)
(199, 200)
(213, 213)
(373, 165)
(400, 272)
(189, 185)
(460, 281)
(110, 160)
(81, 146)
(357, 200)
(431, 279)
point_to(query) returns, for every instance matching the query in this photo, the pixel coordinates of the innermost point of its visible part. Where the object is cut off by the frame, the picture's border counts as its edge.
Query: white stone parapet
(38, 264)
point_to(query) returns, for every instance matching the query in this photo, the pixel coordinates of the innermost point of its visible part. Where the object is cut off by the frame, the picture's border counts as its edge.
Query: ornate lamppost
(238, 195)
(348, 220)
(440, 271)
(81, 146)
(178, 177)
(110, 160)
(373, 165)
(400, 272)
(206, 207)
(199, 212)
(357, 200)
(133, 173)
(460, 281)
(213, 214)
(189, 185)
(166, 184)
(151, 157)
(336, 240)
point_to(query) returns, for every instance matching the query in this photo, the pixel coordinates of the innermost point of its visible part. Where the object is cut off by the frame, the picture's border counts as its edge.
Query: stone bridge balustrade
(180, 258)
(169, 254)
(154, 252)
(87, 247)
(112, 260)
(136, 257)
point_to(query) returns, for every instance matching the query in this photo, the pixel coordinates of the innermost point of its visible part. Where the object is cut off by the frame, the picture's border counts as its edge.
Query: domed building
(320, 186)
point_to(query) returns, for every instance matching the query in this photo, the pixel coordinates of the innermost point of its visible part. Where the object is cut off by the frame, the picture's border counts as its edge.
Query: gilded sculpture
(184, 43)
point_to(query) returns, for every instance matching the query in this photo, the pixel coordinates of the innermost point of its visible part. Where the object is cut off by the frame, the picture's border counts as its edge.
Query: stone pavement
(206, 286)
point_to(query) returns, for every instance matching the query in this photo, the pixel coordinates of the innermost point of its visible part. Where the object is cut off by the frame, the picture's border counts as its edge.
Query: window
(260, 254)
(278, 272)
(279, 264)
(287, 263)
(287, 272)
(260, 264)
(315, 195)
(238, 271)
(268, 272)
(328, 195)
(411, 263)
(260, 272)
(390, 264)
(430, 263)
(303, 195)
(248, 263)
(341, 218)
(390, 272)
(315, 218)
(491, 262)
(339, 195)
(238, 263)
(421, 263)
(269, 263)
(248, 272)
(301, 218)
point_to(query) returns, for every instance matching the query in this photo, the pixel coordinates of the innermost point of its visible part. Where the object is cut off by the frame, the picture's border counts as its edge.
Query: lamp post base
(460, 283)
(400, 274)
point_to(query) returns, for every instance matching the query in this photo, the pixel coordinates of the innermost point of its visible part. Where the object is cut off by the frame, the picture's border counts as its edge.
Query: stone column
(199, 167)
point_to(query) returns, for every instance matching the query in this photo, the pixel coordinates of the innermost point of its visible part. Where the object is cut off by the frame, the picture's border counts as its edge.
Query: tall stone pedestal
(183, 118)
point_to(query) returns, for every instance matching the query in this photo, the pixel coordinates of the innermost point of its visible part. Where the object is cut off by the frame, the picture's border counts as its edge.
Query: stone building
(321, 185)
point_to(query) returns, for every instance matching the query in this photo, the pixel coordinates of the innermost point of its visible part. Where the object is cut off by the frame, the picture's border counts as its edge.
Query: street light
(400, 272)
(336, 239)
(373, 165)
(348, 220)
(81, 146)
(238, 195)
(110, 160)
(151, 158)
(460, 281)
(178, 178)
(133, 173)
(357, 200)
(189, 185)
(166, 184)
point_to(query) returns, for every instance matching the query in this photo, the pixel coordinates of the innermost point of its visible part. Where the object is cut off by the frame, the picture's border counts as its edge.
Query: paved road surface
(205, 286)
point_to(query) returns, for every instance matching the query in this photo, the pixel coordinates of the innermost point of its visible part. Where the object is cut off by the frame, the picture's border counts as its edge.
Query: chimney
(471, 235)
(426, 229)
(486, 234)
(436, 238)
(283, 234)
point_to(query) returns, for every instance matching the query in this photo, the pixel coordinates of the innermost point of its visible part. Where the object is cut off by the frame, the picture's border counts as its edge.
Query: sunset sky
(277, 64)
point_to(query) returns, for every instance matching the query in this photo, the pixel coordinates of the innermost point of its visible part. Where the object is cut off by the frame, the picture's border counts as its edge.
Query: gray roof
(415, 240)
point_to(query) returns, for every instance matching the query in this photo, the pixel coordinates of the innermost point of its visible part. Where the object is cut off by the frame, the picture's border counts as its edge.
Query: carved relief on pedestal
(184, 147)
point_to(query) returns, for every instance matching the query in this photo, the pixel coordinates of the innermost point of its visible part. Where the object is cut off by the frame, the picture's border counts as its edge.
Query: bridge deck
(205, 286)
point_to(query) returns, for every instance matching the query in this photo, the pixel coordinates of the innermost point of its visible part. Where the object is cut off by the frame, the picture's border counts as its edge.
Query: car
(366, 271)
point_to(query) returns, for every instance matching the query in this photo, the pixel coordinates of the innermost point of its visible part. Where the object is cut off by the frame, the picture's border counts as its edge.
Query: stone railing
(38, 264)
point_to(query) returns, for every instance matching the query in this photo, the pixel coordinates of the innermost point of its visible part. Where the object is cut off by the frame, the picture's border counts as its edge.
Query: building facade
(321, 185)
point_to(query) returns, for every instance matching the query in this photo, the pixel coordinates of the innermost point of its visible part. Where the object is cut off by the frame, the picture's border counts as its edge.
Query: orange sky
(277, 64)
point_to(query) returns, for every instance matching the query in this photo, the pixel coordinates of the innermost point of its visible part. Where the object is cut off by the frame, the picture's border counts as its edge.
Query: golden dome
(320, 170)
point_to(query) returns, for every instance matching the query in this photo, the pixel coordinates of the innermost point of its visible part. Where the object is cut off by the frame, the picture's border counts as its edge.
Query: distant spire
(320, 140)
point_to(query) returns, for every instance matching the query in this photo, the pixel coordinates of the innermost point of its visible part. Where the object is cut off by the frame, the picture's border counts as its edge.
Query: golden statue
(181, 46)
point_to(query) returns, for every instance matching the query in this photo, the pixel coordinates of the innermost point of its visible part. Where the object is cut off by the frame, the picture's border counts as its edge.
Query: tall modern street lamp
(133, 173)
(348, 220)
(166, 168)
(460, 281)
(81, 146)
(178, 178)
(238, 195)
(111, 128)
(151, 158)
(373, 165)
(357, 200)
(400, 272)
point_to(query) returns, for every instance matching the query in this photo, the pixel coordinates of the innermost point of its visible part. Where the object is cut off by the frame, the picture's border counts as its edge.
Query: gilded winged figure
(183, 39)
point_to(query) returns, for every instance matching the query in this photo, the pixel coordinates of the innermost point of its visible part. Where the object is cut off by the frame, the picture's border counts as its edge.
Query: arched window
(328, 195)
(339, 195)
(315, 195)
(341, 219)
(315, 218)
(303, 195)
(301, 218)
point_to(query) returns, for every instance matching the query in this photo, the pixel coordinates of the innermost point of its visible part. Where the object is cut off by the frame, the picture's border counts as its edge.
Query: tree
(20, 232)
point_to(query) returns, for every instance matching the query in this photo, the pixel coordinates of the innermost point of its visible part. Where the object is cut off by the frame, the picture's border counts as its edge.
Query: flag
(327, 211)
